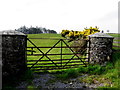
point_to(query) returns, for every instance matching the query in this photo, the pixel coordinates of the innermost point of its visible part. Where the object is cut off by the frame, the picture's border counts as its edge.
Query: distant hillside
(34, 30)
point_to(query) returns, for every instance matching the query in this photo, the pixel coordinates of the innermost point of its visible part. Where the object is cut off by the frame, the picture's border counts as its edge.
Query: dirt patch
(50, 81)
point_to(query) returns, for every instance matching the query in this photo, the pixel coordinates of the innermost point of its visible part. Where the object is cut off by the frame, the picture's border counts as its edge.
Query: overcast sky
(59, 14)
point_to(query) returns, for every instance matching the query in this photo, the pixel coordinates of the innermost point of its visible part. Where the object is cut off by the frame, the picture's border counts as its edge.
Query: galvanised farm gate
(60, 55)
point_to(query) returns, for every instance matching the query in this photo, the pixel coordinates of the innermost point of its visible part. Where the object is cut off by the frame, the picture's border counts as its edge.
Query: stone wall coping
(11, 32)
(99, 34)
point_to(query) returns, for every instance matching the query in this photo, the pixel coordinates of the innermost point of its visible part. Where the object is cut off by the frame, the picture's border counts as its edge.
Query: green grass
(66, 74)
(117, 40)
(58, 36)
(108, 75)
(114, 35)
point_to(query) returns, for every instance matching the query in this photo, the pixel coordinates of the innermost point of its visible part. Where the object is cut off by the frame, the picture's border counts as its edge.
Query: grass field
(114, 35)
(116, 41)
(42, 64)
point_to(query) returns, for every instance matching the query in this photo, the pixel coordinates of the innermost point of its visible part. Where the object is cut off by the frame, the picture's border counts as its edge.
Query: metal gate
(58, 56)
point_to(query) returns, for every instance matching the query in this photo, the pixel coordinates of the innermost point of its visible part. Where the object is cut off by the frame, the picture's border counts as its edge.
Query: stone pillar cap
(99, 34)
(11, 32)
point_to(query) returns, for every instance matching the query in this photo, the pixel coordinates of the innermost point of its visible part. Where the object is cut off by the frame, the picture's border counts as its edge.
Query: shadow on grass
(11, 81)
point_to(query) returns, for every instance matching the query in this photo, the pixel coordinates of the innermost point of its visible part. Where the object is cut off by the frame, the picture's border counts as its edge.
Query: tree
(34, 30)
(107, 31)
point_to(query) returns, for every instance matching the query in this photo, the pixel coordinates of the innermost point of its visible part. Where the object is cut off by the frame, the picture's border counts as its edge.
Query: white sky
(59, 14)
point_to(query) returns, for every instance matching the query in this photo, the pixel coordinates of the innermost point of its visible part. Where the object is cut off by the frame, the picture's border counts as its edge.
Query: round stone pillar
(100, 48)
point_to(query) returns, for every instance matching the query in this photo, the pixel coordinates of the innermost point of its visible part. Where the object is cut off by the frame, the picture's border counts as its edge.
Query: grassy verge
(108, 75)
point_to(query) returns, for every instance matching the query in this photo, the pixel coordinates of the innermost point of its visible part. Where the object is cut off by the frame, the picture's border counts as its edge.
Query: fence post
(0, 49)
(100, 48)
(13, 53)
(88, 50)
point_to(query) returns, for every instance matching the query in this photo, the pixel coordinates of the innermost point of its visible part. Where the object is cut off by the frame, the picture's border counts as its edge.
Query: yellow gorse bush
(72, 35)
